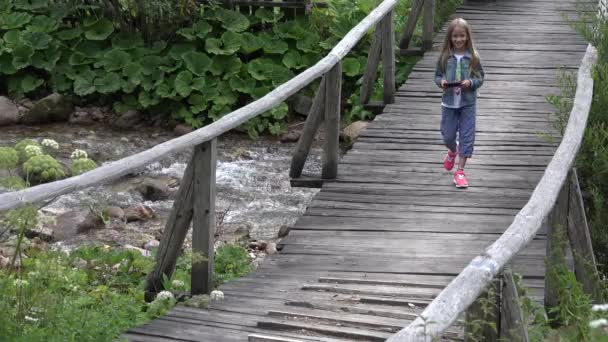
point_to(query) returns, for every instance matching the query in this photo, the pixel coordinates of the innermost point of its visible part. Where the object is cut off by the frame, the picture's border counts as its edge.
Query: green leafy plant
(82, 165)
(43, 168)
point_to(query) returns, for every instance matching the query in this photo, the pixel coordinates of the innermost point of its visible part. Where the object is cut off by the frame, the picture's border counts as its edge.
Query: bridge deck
(380, 242)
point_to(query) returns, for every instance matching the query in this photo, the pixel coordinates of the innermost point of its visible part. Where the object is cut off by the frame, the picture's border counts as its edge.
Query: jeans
(461, 120)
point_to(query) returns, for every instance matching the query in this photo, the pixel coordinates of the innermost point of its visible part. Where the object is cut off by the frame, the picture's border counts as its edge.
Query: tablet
(454, 84)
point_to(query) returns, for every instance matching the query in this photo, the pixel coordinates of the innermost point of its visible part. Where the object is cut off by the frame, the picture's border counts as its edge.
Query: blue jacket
(468, 95)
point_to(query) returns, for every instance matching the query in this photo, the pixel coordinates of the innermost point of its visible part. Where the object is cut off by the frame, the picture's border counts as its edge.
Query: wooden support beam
(331, 150)
(585, 267)
(556, 248)
(388, 57)
(417, 51)
(483, 316)
(375, 107)
(512, 324)
(304, 181)
(428, 24)
(410, 25)
(311, 126)
(371, 68)
(203, 222)
(174, 234)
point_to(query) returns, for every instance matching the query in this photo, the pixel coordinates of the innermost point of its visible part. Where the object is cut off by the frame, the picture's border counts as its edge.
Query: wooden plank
(580, 241)
(388, 57)
(428, 21)
(371, 67)
(331, 149)
(513, 326)
(203, 220)
(410, 25)
(174, 233)
(313, 122)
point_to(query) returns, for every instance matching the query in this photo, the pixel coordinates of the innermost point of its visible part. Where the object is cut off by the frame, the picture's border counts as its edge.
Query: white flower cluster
(20, 283)
(33, 150)
(216, 295)
(78, 154)
(178, 284)
(602, 322)
(164, 295)
(50, 143)
(599, 307)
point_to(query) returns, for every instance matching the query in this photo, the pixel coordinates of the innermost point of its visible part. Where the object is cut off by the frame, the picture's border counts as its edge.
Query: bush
(82, 165)
(43, 168)
(8, 158)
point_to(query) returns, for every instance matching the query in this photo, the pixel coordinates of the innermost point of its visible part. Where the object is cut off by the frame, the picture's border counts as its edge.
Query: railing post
(410, 25)
(483, 316)
(556, 248)
(203, 221)
(331, 152)
(585, 267)
(512, 323)
(388, 57)
(371, 68)
(427, 24)
(313, 121)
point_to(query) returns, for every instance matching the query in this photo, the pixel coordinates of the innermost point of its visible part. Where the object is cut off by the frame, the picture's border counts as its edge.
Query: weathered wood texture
(203, 220)
(388, 57)
(381, 241)
(370, 73)
(512, 324)
(410, 24)
(331, 150)
(427, 24)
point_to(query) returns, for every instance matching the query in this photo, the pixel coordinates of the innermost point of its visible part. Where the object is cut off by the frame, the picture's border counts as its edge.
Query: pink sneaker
(449, 160)
(460, 180)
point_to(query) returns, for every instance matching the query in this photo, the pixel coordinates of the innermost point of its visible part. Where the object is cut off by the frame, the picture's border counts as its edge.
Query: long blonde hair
(447, 44)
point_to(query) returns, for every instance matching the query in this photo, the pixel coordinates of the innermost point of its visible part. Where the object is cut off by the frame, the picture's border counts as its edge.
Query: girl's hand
(466, 84)
(444, 84)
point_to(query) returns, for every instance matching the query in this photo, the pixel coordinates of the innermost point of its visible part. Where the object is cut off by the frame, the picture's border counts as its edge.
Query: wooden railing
(556, 203)
(195, 200)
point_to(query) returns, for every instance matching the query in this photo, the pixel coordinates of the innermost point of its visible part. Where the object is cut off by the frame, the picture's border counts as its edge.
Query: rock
(292, 136)
(182, 129)
(352, 131)
(53, 108)
(271, 248)
(128, 120)
(142, 251)
(4, 261)
(152, 244)
(40, 232)
(284, 231)
(154, 190)
(138, 212)
(9, 112)
(87, 116)
(115, 212)
(27, 103)
(73, 222)
(260, 245)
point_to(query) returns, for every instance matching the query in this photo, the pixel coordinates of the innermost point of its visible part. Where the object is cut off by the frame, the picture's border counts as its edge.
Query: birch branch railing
(195, 201)
(471, 282)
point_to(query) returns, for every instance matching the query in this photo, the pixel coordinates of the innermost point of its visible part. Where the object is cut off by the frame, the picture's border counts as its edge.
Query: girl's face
(459, 38)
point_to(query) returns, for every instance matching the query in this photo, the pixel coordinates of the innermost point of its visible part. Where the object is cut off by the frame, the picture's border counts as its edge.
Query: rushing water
(253, 190)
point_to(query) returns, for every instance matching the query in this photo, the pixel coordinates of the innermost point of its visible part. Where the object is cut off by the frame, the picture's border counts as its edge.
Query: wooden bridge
(384, 238)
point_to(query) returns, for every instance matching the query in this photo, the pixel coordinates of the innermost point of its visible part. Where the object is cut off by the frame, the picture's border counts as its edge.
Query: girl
(459, 74)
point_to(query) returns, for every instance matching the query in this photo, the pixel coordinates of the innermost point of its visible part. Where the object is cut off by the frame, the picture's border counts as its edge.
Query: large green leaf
(147, 100)
(42, 23)
(266, 69)
(351, 66)
(46, 59)
(134, 72)
(108, 83)
(69, 34)
(227, 45)
(198, 63)
(308, 44)
(83, 87)
(178, 50)
(6, 64)
(78, 58)
(36, 40)
(187, 32)
(273, 45)
(197, 103)
(89, 48)
(30, 83)
(22, 56)
(268, 15)
(250, 43)
(232, 20)
(101, 30)
(244, 86)
(12, 39)
(294, 60)
(206, 86)
(166, 90)
(201, 29)
(226, 96)
(183, 83)
(81, 72)
(127, 41)
(13, 20)
(150, 63)
(226, 66)
(115, 60)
